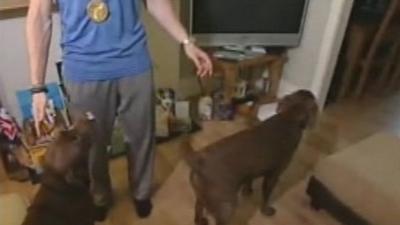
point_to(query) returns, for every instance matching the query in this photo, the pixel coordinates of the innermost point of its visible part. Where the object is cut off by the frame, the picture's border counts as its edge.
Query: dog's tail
(193, 159)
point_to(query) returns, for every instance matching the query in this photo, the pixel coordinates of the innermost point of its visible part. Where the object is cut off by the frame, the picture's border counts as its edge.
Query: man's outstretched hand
(39, 102)
(201, 60)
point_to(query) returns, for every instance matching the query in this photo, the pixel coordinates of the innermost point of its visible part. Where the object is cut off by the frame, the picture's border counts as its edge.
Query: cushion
(366, 178)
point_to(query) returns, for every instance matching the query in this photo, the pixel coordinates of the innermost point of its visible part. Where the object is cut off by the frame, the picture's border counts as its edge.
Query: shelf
(13, 8)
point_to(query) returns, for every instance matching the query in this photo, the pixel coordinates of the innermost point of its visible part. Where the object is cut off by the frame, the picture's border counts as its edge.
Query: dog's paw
(315, 205)
(100, 213)
(201, 221)
(143, 207)
(268, 210)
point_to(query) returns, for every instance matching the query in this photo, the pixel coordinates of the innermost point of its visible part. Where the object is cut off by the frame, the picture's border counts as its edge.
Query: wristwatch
(39, 89)
(188, 41)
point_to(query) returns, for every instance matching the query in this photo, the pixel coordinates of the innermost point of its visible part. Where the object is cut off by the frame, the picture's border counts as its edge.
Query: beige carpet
(12, 209)
(340, 125)
(175, 203)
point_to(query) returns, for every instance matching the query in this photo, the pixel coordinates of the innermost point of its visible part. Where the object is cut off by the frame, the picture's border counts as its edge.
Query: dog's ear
(305, 114)
(69, 144)
(285, 103)
(55, 159)
(313, 111)
(310, 110)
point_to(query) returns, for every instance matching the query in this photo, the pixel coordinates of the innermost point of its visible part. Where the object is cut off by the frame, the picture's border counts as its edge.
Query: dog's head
(68, 154)
(301, 106)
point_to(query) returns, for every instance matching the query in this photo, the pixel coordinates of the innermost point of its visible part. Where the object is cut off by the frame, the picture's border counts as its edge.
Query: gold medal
(98, 11)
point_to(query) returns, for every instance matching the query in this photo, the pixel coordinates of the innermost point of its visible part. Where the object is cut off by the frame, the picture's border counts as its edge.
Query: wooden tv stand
(230, 70)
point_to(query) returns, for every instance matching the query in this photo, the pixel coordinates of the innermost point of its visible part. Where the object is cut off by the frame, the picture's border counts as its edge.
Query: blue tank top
(105, 51)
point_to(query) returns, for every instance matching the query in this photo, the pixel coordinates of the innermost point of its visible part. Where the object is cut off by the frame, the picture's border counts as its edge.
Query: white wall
(164, 50)
(311, 65)
(14, 67)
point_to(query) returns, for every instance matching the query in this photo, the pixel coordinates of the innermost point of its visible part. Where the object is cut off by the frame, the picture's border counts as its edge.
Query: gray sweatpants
(132, 99)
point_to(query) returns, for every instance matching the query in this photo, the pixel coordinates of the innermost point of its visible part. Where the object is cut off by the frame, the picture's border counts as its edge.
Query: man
(107, 71)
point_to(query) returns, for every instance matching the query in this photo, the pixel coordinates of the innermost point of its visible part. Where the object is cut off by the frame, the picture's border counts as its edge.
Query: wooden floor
(340, 125)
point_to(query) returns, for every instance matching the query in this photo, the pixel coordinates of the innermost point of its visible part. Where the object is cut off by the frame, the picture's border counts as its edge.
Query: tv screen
(251, 17)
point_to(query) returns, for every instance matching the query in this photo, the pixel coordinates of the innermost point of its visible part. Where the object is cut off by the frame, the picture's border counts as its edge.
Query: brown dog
(64, 196)
(218, 172)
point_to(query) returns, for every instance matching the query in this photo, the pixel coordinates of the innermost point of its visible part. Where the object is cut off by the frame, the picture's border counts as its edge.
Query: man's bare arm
(38, 34)
(163, 12)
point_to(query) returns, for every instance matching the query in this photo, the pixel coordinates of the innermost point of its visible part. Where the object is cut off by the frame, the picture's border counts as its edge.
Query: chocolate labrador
(265, 150)
(64, 197)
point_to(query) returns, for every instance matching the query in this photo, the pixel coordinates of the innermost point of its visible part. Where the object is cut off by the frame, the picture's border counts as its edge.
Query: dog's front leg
(247, 188)
(225, 211)
(268, 185)
(199, 217)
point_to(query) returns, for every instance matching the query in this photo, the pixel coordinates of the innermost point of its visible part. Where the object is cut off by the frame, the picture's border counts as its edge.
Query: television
(267, 23)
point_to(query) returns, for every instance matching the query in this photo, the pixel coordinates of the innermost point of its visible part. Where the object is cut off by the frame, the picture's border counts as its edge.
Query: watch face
(188, 41)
